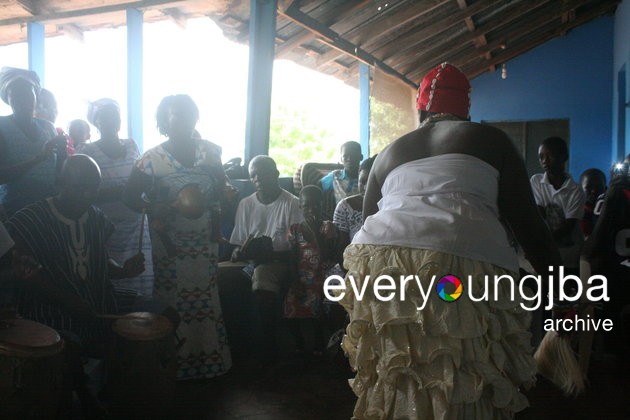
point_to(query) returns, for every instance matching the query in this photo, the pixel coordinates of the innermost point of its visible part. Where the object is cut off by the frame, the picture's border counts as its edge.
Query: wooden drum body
(31, 370)
(142, 366)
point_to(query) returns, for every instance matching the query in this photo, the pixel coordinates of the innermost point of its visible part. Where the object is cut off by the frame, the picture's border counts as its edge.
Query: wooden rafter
(335, 41)
(443, 48)
(56, 16)
(479, 41)
(388, 23)
(415, 66)
(31, 6)
(329, 19)
(597, 11)
(409, 41)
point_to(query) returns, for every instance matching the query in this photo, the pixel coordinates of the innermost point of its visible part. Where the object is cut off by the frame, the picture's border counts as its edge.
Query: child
(79, 134)
(313, 246)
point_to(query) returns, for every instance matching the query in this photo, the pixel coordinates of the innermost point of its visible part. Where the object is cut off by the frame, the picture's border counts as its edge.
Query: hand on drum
(25, 267)
(134, 266)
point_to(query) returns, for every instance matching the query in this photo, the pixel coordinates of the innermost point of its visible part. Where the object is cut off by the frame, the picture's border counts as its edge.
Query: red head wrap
(445, 89)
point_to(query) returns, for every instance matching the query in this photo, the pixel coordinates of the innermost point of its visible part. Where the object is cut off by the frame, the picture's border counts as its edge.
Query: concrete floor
(298, 389)
(293, 389)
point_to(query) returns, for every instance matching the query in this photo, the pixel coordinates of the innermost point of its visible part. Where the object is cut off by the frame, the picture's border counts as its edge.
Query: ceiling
(402, 37)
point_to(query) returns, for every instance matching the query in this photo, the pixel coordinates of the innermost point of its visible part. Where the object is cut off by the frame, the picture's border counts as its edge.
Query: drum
(31, 370)
(142, 366)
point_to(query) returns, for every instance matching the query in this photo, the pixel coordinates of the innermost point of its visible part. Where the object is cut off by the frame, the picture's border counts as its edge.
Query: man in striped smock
(66, 236)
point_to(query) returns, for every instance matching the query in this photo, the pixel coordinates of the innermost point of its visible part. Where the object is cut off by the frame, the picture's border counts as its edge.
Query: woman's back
(447, 203)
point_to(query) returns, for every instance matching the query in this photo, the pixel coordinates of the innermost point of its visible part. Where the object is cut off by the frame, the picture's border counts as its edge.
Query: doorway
(527, 136)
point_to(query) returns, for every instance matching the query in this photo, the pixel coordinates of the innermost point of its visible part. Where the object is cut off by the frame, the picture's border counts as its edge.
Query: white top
(6, 243)
(446, 203)
(273, 220)
(567, 202)
(569, 197)
(347, 219)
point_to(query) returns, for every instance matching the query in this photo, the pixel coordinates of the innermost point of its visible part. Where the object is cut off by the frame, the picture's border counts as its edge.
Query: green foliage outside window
(295, 138)
(387, 124)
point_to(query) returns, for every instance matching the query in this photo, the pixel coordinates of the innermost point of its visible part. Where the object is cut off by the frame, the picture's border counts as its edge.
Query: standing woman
(115, 157)
(432, 209)
(179, 183)
(31, 153)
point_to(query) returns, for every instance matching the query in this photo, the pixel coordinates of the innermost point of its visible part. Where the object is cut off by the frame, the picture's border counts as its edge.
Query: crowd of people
(99, 228)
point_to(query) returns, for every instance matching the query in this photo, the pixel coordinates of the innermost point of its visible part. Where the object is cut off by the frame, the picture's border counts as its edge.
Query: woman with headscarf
(31, 153)
(116, 157)
(431, 209)
(179, 183)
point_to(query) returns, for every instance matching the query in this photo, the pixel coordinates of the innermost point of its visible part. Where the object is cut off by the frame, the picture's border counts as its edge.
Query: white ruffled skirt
(451, 360)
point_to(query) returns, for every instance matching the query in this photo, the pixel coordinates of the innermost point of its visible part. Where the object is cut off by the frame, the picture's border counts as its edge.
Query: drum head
(141, 326)
(28, 338)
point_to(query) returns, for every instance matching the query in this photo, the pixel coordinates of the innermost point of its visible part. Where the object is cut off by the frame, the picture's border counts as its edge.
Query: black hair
(594, 173)
(184, 102)
(366, 165)
(351, 144)
(557, 146)
(312, 190)
(263, 160)
(79, 122)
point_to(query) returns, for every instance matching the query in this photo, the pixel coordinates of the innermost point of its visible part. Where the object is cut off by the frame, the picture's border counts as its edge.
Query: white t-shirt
(6, 243)
(567, 202)
(569, 197)
(273, 220)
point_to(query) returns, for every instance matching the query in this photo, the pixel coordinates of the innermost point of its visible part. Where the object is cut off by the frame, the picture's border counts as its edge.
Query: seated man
(270, 211)
(65, 235)
(344, 182)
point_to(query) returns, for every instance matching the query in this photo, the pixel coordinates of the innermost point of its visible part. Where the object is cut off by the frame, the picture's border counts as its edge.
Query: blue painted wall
(621, 62)
(568, 77)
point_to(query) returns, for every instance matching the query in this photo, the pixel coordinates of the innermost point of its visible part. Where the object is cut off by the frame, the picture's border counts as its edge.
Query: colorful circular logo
(449, 288)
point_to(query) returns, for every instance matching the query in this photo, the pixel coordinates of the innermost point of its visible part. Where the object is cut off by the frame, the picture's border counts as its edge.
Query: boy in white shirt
(560, 200)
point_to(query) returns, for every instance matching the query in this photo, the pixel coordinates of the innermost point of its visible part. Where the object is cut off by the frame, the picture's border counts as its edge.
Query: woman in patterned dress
(312, 242)
(179, 183)
(115, 157)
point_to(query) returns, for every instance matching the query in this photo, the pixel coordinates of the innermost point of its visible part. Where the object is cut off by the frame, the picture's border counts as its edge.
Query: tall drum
(142, 366)
(31, 370)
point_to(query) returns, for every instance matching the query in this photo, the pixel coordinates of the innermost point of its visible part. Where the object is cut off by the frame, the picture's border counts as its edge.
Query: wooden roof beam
(437, 51)
(517, 32)
(329, 56)
(480, 41)
(416, 37)
(386, 23)
(508, 54)
(69, 14)
(333, 39)
(31, 6)
(333, 16)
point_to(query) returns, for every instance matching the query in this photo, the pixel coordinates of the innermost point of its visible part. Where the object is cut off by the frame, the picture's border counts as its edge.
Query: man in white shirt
(560, 200)
(269, 212)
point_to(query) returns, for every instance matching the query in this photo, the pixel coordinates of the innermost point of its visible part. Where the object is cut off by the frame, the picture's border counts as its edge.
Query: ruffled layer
(450, 360)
